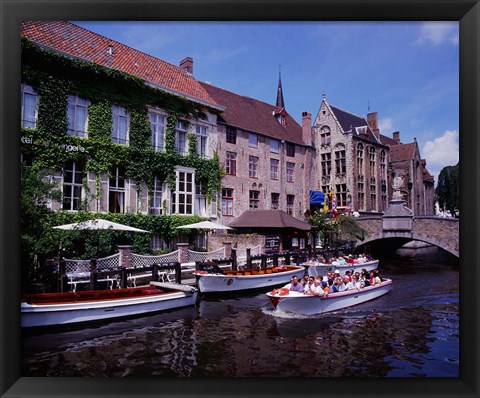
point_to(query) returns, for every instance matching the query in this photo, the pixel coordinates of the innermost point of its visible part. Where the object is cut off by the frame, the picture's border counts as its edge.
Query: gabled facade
(406, 162)
(351, 160)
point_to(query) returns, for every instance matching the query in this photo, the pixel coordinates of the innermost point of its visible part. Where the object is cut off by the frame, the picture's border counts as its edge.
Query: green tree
(37, 237)
(333, 230)
(447, 193)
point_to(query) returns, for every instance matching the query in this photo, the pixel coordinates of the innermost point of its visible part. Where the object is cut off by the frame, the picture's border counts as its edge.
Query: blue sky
(408, 72)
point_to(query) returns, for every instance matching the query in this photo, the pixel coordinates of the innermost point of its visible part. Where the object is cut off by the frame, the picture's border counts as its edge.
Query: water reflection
(412, 331)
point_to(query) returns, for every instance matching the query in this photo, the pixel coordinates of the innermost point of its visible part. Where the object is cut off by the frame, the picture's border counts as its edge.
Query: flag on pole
(325, 205)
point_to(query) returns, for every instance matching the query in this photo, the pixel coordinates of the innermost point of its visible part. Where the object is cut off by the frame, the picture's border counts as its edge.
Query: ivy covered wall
(54, 77)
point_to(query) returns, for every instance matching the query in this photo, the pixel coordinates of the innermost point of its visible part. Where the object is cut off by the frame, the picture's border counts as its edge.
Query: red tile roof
(255, 116)
(387, 140)
(402, 152)
(75, 41)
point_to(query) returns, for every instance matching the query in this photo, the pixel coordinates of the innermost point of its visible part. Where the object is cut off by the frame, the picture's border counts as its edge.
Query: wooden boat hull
(247, 279)
(62, 309)
(298, 303)
(322, 269)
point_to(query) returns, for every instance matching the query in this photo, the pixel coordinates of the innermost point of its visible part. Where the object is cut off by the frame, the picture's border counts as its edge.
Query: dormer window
(281, 117)
(362, 130)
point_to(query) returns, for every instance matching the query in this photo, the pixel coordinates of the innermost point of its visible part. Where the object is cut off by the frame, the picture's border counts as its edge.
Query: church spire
(280, 103)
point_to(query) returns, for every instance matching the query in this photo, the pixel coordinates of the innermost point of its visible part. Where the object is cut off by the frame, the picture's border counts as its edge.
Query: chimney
(372, 120)
(187, 64)
(396, 136)
(307, 128)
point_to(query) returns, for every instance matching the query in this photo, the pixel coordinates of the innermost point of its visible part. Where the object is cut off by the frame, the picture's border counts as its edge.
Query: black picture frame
(14, 11)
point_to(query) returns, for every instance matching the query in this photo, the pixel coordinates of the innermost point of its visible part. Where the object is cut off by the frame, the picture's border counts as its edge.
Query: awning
(316, 197)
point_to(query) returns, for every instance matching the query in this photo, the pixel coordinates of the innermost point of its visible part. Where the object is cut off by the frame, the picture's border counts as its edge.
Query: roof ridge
(131, 48)
(242, 95)
(350, 113)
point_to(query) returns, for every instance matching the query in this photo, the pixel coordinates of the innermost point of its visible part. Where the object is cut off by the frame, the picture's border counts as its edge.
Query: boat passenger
(349, 273)
(361, 259)
(378, 280)
(349, 285)
(317, 289)
(364, 277)
(294, 285)
(357, 282)
(326, 287)
(304, 280)
(341, 261)
(374, 279)
(341, 286)
(309, 288)
(330, 278)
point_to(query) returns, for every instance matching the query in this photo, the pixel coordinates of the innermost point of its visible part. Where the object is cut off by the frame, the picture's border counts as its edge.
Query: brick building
(358, 163)
(267, 156)
(352, 160)
(405, 161)
(89, 94)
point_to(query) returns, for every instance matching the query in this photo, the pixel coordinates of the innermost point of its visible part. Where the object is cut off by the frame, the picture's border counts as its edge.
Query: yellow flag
(325, 206)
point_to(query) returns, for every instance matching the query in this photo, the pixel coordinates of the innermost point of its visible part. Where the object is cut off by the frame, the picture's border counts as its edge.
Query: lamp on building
(410, 185)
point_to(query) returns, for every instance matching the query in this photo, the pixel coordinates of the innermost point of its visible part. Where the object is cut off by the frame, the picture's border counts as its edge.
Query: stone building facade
(267, 156)
(351, 159)
(270, 160)
(418, 184)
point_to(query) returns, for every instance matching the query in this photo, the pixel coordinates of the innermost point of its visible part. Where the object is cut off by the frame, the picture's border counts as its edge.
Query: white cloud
(441, 152)
(385, 125)
(437, 33)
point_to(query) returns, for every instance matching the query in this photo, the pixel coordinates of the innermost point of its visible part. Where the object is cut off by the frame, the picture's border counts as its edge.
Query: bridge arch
(440, 232)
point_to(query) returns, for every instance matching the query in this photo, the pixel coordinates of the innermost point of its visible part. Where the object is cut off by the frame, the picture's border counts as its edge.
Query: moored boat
(315, 268)
(299, 303)
(248, 279)
(48, 309)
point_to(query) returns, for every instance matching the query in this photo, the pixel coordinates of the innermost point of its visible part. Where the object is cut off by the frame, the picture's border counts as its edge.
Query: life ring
(281, 292)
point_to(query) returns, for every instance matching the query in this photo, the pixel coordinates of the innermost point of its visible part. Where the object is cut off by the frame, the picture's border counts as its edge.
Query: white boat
(315, 268)
(300, 303)
(49, 309)
(248, 279)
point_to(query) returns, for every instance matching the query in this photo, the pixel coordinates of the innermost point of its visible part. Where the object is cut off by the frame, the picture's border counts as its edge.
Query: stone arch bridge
(398, 226)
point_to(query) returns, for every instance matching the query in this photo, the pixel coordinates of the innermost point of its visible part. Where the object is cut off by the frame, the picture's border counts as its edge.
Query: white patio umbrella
(98, 224)
(207, 226)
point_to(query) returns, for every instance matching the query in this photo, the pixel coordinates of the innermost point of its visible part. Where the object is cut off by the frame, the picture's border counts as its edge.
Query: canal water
(413, 331)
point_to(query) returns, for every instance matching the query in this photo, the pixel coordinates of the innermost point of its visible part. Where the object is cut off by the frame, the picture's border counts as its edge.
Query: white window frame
(227, 202)
(156, 197)
(117, 189)
(120, 113)
(29, 91)
(157, 127)
(70, 186)
(201, 133)
(181, 137)
(289, 171)
(76, 126)
(184, 193)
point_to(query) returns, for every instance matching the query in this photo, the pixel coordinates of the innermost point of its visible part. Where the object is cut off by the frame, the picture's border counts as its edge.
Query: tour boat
(315, 268)
(47, 309)
(299, 303)
(248, 279)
